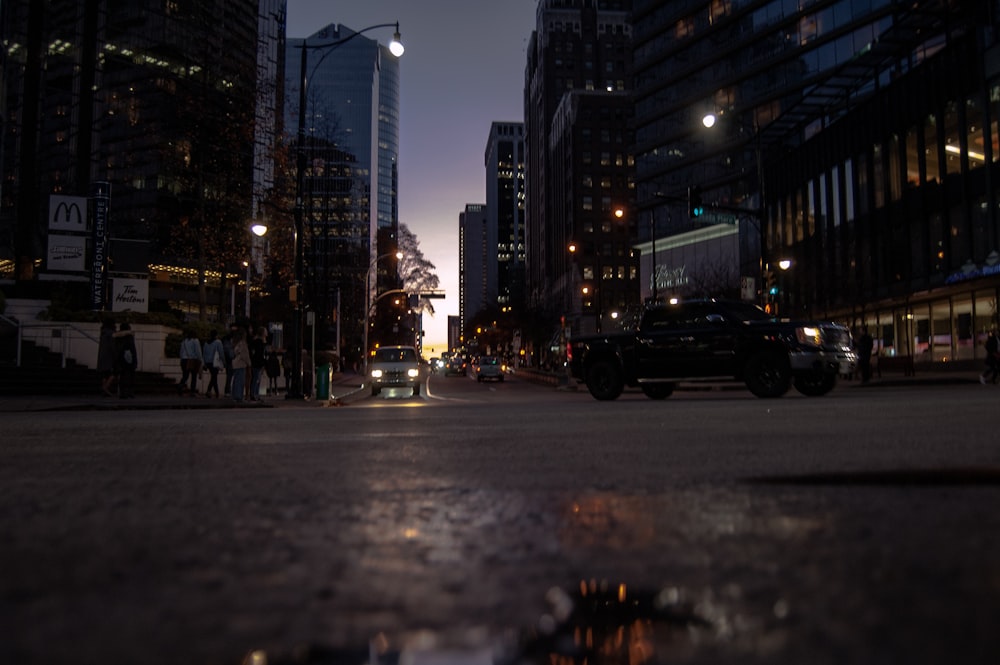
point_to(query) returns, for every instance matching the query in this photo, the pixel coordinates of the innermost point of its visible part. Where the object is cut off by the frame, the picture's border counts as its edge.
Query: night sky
(462, 70)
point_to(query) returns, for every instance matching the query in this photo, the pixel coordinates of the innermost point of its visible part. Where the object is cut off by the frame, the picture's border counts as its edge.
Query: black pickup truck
(660, 345)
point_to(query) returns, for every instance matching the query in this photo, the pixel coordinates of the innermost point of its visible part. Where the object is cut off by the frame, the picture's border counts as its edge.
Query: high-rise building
(505, 209)
(350, 182)
(476, 252)
(152, 103)
(856, 143)
(579, 47)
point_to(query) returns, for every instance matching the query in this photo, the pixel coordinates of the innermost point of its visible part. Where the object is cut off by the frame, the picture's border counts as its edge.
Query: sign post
(101, 197)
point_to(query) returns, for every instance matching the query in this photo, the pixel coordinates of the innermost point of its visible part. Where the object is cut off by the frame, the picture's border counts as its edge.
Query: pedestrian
(190, 363)
(258, 360)
(213, 357)
(865, 346)
(273, 369)
(992, 358)
(127, 360)
(227, 356)
(106, 357)
(241, 364)
(286, 366)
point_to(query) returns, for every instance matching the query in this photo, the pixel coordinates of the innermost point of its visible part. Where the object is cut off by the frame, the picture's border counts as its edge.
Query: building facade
(856, 140)
(153, 105)
(577, 46)
(505, 207)
(476, 255)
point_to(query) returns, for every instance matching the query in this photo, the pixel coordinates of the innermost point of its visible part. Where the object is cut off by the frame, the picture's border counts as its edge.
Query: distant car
(456, 365)
(488, 367)
(395, 367)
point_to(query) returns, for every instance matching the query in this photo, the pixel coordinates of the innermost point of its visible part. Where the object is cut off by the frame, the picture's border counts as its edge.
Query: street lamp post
(258, 231)
(369, 303)
(396, 48)
(709, 121)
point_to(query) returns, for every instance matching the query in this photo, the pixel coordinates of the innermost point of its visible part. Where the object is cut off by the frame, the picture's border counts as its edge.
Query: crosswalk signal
(695, 206)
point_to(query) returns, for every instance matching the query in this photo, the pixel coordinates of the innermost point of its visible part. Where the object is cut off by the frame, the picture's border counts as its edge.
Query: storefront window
(952, 149)
(995, 115)
(849, 189)
(879, 176)
(975, 136)
(861, 176)
(895, 172)
(931, 160)
(912, 162)
(985, 319)
(920, 334)
(941, 347)
(963, 330)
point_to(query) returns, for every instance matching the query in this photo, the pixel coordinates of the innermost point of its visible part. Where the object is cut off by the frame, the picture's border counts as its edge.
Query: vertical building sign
(101, 198)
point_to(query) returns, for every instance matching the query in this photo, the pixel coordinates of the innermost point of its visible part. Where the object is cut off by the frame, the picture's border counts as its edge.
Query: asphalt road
(505, 523)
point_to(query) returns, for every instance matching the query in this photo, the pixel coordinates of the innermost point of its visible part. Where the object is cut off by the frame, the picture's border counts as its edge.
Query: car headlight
(809, 335)
(376, 374)
(412, 373)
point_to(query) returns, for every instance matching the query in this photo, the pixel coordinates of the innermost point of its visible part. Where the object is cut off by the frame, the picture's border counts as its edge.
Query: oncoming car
(395, 367)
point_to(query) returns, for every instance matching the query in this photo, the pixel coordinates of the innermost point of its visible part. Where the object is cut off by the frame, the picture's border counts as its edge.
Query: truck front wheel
(815, 385)
(604, 380)
(767, 374)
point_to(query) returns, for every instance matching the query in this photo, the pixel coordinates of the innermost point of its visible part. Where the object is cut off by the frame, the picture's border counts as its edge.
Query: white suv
(395, 367)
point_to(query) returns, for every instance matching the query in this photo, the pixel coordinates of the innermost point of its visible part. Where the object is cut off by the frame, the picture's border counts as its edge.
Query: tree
(416, 272)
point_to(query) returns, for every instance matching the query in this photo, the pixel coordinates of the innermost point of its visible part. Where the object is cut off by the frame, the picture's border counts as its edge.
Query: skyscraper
(578, 46)
(350, 187)
(505, 208)
(156, 101)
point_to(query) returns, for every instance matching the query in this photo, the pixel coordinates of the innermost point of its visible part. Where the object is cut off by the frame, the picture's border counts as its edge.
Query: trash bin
(324, 375)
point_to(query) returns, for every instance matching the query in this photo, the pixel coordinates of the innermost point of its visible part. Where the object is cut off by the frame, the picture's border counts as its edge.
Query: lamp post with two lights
(396, 48)
(757, 214)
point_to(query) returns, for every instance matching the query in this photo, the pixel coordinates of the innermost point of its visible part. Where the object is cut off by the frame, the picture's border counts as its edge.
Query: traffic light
(772, 284)
(695, 206)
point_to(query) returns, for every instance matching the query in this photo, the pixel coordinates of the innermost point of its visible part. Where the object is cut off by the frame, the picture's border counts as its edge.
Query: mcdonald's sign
(68, 213)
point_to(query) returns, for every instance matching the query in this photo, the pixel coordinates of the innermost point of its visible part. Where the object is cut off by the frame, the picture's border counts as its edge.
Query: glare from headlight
(376, 374)
(809, 335)
(412, 373)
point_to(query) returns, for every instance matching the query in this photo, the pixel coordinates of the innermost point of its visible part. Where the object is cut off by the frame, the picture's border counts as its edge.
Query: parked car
(488, 367)
(660, 345)
(395, 367)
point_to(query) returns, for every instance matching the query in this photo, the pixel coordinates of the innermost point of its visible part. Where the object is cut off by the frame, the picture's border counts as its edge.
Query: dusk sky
(462, 70)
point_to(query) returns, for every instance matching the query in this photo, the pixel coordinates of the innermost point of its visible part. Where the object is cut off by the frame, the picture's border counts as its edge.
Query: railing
(65, 339)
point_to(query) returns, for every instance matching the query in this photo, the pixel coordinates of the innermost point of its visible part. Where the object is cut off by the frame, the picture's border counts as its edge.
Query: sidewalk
(343, 387)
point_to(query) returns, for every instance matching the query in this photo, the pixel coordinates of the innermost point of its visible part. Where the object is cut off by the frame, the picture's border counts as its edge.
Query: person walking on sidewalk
(241, 364)
(106, 357)
(213, 355)
(258, 360)
(190, 362)
(992, 358)
(126, 361)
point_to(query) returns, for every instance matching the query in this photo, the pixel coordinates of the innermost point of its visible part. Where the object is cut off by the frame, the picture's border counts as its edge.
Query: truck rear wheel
(604, 380)
(767, 374)
(815, 385)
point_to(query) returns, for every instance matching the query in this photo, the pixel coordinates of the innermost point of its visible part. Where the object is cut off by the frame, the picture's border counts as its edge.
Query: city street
(712, 527)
